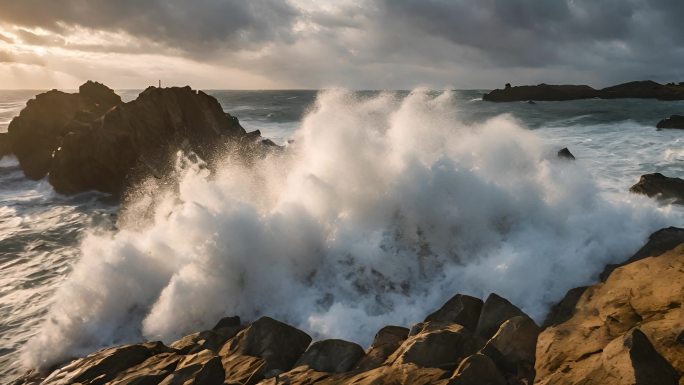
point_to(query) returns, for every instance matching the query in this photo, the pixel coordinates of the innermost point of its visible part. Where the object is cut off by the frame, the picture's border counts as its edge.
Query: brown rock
(440, 347)
(477, 369)
(513, 348)
(386, 342)
(141, 137)
(461, 309)
(150, 372)
(278, 344)
(495, 311)
(105, 365)
(644, 294)
(332, 356)
(199, 341)
(203, 368)
(658, 243)
(563, 310)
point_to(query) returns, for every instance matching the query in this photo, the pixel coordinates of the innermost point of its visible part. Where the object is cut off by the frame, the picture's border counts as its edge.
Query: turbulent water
(384, 206)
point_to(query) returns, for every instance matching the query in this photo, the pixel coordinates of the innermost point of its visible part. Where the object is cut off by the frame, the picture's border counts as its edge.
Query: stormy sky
(381, 44)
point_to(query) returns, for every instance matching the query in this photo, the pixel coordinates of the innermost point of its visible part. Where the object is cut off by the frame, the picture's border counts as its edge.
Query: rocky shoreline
(645, 89)
(627, 329)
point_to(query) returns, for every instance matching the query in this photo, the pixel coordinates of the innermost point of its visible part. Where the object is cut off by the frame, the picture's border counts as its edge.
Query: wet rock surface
(626, 330)
(659, 186)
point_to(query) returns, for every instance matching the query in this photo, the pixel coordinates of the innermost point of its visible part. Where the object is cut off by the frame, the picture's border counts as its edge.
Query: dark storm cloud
(190, 26)
(632, 37)
(384, 43)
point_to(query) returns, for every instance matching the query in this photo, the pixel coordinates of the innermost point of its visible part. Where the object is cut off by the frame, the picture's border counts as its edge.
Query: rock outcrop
(622, 331)
(92, 141)
(626, 330)
(564, 153)
(659, 186)
(37, 132)
(674, 121)
(645, 89)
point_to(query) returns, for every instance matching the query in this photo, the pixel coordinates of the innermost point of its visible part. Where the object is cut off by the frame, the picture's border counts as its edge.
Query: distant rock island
(646, 89)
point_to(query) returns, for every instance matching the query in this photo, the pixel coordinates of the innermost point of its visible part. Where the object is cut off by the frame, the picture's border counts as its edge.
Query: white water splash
(381, 210)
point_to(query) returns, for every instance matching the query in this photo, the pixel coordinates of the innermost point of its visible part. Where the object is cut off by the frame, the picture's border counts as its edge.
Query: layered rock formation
(659, 186)
(674, 121)
(646, 89)
(626, 330)
(92, 141)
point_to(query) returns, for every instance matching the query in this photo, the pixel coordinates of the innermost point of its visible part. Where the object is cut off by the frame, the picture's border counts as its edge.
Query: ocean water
(386, 204)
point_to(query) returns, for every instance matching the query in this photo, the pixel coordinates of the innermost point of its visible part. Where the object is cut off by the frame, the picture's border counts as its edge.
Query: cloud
(378, 44)
(193, 26)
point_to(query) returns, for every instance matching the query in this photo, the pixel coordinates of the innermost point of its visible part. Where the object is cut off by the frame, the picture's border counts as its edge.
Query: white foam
(380, 211)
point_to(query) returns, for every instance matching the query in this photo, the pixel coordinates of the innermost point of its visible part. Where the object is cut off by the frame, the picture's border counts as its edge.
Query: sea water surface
(615, 141)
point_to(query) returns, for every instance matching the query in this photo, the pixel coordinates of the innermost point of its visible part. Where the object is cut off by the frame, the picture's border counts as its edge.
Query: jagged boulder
(645, 294)
(203, 368)
(37, 132)
(461, 309)
(204, 340)
(278, 344)
(437, 345)
(386, 342)
(564, 153)
(513, 348)
(658, 243)
(495, 311)
(674, 121)
(332, 356)
(659, 186)
(477, 369)
(105, 365)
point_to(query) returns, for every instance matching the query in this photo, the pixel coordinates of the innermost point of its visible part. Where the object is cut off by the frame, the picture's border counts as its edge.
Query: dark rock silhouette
(659, 186)
(674, 121)
(646, 89)
(37, 132)
(564, 153)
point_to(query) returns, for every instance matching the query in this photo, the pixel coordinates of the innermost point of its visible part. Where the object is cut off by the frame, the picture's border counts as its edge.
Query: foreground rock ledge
(626, 330)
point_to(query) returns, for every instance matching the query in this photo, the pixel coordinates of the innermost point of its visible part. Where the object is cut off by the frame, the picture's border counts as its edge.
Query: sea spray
(379, 211)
